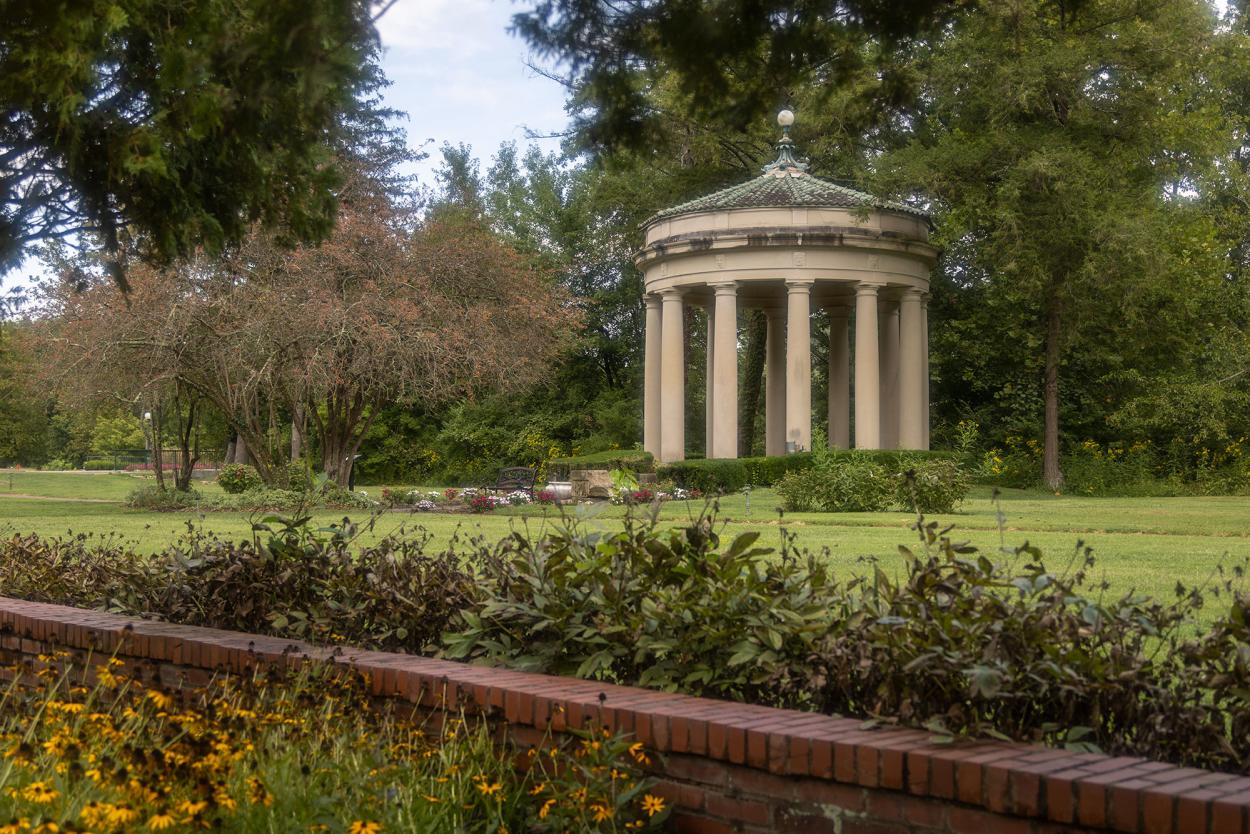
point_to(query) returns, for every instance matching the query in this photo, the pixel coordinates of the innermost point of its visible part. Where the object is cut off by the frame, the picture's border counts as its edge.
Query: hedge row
(731, 475)
(558, 469)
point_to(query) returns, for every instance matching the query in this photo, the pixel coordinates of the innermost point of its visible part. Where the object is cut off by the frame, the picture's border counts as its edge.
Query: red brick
(1191, 815)
(693, 824)
(1227, 817)
(968, 821)
(1126, 801)
(798, 757)
(918, 773)
(1060, 799)
(925, 813)
(886, 806)
(792, 821)
(1157, 813)
(822, 758)
(739, 810)
(757, 749)
(867, 763)
(819, 792)
(1091, 803)
(695, 769)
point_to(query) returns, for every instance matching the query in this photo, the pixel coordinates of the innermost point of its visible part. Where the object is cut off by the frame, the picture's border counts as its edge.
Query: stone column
(799, 364)
(725, 405)
(651, 379)
(867, 369)
(840, 377)
(924, 306)
(775, 383)
(911, 414)
(672, 379)
(709, 372)
(888, 334)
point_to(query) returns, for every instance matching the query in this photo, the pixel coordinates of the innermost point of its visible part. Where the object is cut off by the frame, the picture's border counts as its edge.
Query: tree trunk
(752, 381)
(158, 459)
(1052, 475)
(240, 451)
(297, 434)
(187, 457)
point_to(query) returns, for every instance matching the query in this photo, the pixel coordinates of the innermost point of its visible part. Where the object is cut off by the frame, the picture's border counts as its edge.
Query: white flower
(425, 505)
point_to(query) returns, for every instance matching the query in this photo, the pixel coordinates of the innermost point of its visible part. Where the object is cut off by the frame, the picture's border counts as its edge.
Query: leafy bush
(961, 642)
(238, 477)
(99, 464)
(57, 465)
(632, 459)
(152, 497)
(847, 484)
(731, 475)
(299, 477)
(856, 481)
(935, 485)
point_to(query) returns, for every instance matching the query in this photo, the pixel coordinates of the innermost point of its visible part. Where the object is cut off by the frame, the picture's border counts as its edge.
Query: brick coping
(1032, 782)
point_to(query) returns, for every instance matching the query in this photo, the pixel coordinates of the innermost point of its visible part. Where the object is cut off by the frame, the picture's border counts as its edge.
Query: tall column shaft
(840, 377)
(709, 372)
(888, 334)
(775, 383)
(867, 369)
(911, 412)
(799, 364)
(924, 306)
(651, 379)
(672, 379)
(725, 404)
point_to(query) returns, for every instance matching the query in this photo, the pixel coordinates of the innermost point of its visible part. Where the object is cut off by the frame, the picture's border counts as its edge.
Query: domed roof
(783, 184)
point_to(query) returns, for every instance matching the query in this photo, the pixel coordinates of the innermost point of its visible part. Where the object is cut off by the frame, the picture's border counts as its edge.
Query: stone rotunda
(790, 244)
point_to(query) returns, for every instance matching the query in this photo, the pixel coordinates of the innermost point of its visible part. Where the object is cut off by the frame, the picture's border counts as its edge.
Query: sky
(460, 77)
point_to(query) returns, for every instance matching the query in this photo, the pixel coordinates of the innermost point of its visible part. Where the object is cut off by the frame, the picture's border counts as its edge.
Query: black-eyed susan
(161, 820)
(652, 804)
(364, 827)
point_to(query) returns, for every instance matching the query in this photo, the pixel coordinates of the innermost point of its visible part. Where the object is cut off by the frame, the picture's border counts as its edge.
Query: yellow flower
(15, 827)
(364, 827)
(122, 815)
(601, 812)
(159, 699)
(161, 821)
(546, 809)
(537, 789)
(652, 805)
(39, 793)
(489, 788)
(192, 809)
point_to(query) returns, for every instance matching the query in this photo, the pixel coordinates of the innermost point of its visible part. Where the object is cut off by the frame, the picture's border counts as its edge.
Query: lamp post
(147, 436)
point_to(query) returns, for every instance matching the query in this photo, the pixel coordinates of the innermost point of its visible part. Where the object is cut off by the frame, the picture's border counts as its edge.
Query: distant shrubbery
(238, 477)
(959, 642)
(327, 496)
(862, 482)
(730, 475)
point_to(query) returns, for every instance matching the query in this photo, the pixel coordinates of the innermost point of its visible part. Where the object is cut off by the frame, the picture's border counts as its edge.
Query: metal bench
(513, 479)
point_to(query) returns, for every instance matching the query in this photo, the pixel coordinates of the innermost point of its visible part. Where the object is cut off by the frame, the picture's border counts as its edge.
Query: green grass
(1146, 544)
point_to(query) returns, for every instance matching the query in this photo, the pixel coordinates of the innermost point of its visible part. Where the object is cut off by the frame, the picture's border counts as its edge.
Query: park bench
(513, 479)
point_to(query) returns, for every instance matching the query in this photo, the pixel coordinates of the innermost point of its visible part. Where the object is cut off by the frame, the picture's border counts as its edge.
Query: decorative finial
(785, 162)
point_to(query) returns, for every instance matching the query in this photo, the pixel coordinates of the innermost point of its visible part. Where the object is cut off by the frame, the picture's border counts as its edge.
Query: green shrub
(152, 497)
(934, 485)
(558, 469)
(57, 465)
(299, 476)
(849, 483)
(960, 642)
(99, 464)
(721, 475)
(238, 477)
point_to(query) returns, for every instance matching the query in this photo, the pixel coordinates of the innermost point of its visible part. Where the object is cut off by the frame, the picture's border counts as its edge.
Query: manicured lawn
(1147, 544)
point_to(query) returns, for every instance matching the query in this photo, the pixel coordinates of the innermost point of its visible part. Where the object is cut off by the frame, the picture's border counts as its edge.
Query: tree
(175, 126)
(731, 60)
(1047, 135)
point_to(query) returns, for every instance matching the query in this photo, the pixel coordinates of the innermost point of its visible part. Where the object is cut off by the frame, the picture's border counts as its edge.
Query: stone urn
(590, 483)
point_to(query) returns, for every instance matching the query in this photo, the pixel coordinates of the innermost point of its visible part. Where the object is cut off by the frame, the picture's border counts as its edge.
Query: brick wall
(726, 767)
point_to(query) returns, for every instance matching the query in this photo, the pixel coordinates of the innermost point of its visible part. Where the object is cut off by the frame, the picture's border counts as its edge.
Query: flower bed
(287, 751)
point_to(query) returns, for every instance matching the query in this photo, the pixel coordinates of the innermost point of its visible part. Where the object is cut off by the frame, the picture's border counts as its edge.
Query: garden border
(726, 766)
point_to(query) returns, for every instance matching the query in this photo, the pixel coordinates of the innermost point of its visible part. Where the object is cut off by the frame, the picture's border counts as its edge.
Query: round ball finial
(785, 118)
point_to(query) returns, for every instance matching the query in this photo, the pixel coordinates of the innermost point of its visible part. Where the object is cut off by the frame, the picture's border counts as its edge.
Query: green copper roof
(783, 188)
(784, 183)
